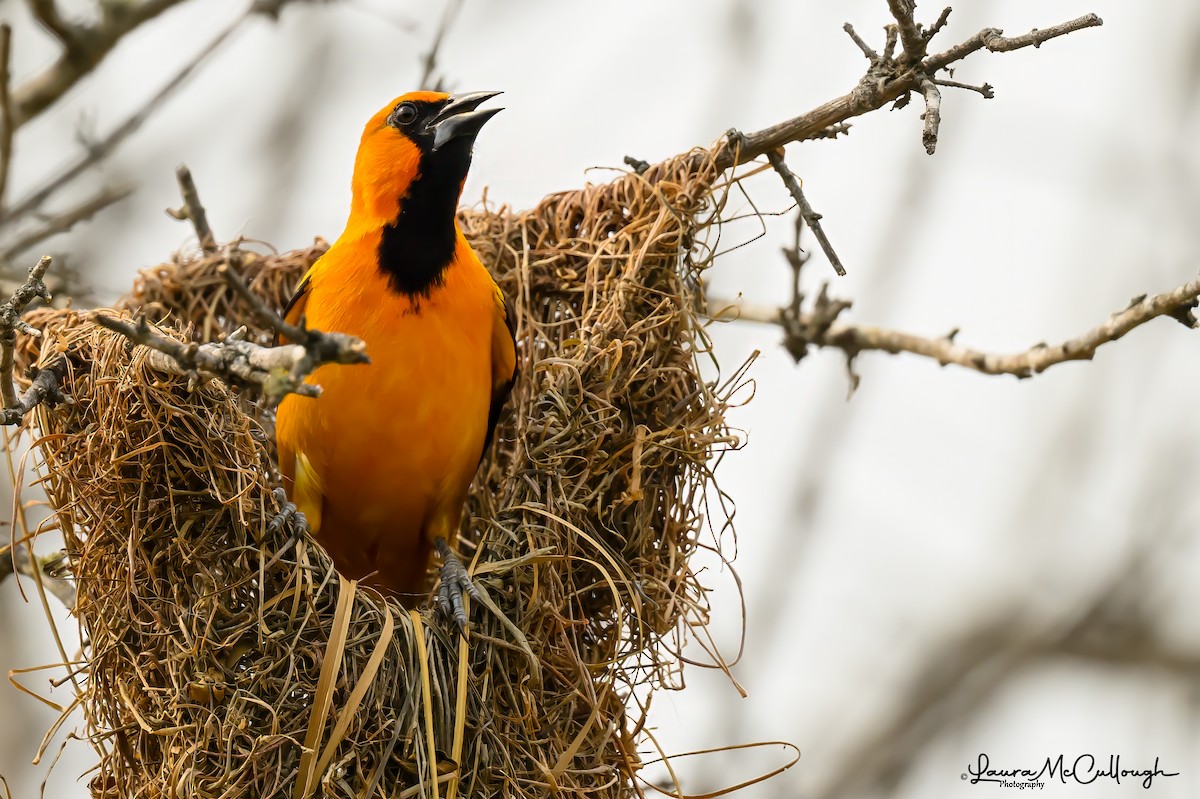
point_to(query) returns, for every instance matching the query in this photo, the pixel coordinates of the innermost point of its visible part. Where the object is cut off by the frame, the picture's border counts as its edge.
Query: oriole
(381, 462)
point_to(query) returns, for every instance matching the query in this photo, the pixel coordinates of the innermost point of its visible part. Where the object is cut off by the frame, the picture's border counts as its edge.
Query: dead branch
(276, 371)
(45, 389)
(819, 328)
(811, 217)
(887, 81)
(867, 50)
(45, 386)
(911, 37)
(10, 322)
(932, 116)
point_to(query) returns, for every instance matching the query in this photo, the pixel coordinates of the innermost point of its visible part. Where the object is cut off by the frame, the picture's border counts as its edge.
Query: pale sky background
(884, 540)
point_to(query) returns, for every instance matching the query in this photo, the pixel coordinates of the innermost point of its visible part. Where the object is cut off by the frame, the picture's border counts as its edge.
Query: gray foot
(288, 517)
(455, 581)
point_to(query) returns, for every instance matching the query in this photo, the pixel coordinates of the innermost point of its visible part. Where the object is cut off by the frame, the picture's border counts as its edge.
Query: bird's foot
(289, 517)
(455, 581)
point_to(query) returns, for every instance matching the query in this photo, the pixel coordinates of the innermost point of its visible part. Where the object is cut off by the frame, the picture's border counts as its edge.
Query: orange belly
(395, 443)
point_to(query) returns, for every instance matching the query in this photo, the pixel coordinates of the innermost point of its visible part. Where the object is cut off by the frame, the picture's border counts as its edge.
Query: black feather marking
(418, 245)
(298, 296)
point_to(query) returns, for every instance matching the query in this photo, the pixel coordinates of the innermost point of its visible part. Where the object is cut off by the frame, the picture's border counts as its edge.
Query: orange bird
(381, 462)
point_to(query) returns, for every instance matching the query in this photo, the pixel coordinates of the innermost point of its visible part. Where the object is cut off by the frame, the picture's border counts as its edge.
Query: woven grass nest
(228, 660)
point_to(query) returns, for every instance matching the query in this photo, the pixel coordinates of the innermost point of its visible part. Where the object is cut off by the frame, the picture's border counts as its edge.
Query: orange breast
(395, 444)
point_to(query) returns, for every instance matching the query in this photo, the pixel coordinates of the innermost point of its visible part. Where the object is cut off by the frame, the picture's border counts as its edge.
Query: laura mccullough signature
(1084, 770)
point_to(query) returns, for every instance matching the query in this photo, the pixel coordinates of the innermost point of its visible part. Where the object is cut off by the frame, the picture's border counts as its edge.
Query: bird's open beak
(458, 118)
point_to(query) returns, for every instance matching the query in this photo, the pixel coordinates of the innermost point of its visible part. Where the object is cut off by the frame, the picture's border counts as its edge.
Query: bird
(381, 462)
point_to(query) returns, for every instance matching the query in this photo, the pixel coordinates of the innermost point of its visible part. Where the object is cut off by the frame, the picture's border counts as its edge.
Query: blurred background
(944, 565)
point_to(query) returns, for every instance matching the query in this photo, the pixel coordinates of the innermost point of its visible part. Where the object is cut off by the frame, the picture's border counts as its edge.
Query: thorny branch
(889, 79)
(819, 327)
(276, 371)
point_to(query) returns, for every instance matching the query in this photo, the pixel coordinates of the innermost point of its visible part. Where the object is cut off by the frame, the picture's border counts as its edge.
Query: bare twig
(11, 322)
(937, 26)
(192, 210)
(6, 112)
(84, 48)
(993, 39)
(814, 328)
(932, 115)
(20, 561)
(811, 217)
(876, 91)
(867, 50)
(63, 222)
(99, 150)
(277, 371)
(986, 89)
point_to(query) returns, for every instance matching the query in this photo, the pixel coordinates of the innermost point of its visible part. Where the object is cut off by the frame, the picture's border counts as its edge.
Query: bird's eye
(405, 114)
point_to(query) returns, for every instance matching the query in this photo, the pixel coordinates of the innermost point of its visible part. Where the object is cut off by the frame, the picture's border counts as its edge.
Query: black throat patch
(418, 245)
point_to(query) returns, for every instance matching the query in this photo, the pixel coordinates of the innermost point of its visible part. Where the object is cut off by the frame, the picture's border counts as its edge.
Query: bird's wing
(306, 491)
(504, 362)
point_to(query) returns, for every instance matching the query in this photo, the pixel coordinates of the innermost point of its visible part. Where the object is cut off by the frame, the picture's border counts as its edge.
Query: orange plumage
(382, 461)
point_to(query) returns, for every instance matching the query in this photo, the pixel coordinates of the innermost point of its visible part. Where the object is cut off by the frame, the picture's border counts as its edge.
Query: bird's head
(425, 136)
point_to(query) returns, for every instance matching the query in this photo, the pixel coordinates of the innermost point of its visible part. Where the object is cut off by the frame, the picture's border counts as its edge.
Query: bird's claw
(455, 582)
(289, 516)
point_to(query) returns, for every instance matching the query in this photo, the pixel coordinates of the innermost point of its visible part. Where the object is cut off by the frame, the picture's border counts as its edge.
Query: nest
(229, 659)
